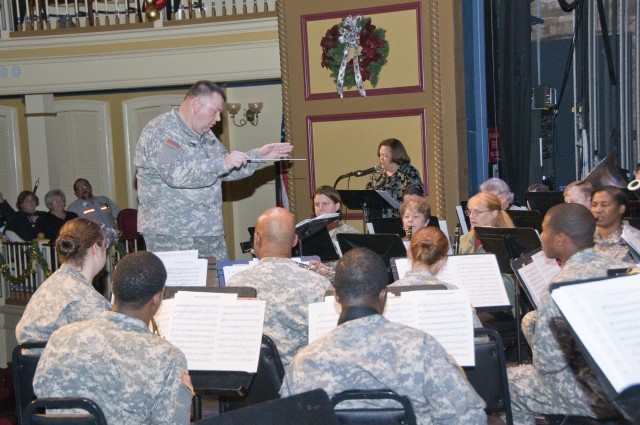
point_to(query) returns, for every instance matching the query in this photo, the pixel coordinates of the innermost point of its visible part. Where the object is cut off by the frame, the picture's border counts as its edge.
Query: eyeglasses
(474, 213)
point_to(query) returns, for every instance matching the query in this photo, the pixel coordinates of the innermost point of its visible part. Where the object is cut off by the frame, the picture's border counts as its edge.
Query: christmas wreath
(354, 32)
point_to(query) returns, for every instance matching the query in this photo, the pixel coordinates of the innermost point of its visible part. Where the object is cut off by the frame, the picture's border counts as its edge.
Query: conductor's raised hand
(275, 150)
(235, 159)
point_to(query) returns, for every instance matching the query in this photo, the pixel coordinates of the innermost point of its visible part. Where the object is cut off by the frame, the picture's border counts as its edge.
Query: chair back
(127, 222)
(24, 363)
(309, 408)
(489, 376)
(265, 384)
(402, 414)
(34, 413)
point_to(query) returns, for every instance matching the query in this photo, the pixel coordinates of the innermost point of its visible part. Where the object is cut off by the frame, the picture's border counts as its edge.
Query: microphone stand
(340, 178)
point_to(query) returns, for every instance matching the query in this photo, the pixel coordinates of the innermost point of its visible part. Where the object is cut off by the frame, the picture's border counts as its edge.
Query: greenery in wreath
(373, 53)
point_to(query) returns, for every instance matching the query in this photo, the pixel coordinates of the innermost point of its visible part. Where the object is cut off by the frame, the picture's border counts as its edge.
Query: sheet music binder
(518, 264)
(314, 239)
(508, 243)
(619, 378)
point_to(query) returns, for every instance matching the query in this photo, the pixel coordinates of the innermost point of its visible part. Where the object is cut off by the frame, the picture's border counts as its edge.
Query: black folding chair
(401, 414)
(34, 413)
(24, 363)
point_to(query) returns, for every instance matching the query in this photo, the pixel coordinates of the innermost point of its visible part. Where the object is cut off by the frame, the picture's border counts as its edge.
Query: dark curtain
(514, 88)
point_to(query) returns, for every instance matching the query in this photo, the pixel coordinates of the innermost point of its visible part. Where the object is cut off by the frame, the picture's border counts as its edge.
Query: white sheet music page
(323, 317)
(447, 316)
(184, 268)
(605, 316)
(537, 275)
(403, 265)
(479, 275)
(220, 334)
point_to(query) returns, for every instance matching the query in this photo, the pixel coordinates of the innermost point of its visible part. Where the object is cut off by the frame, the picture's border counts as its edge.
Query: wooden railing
(35, 17)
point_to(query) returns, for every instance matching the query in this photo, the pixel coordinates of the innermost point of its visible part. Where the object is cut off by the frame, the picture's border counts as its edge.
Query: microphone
(360, 173)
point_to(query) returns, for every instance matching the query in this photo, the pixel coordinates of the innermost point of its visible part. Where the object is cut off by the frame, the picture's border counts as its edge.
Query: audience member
(578, 192)
(415, 215)
(326, 200)
(181, 166)
(396, 175)
(501, 189)
(366, 351)
(136, 377)
(24, 224)
(96, 208)
(67, 296)
(558, 381)
(57, 216)
(287, 287)
(608, 206)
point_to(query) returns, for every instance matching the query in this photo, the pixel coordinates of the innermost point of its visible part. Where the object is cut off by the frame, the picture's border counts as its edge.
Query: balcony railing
(36, 17)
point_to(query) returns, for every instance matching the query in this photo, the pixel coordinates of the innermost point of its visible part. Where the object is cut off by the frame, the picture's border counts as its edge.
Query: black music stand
(524, 218)
(387, 246)
(367, 200)
(542, 201)
(314, 239)
(508, 243)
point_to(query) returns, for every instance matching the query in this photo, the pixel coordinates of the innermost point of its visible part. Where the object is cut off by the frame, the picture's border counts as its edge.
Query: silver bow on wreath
(350, 36)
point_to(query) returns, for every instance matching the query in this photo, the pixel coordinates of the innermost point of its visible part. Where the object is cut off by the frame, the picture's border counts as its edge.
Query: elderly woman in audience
(578, 192)
(326, 200)
(57, 216)
(608, 205)
(68, 296)
(415, 215)
(25, 224)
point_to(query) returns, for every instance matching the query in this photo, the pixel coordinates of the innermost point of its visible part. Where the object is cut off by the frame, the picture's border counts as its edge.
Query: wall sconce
(250, 115)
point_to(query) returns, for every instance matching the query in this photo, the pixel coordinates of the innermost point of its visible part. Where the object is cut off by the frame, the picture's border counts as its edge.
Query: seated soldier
(136, 377)
(366, 351)
(551, 384)
(287, 288)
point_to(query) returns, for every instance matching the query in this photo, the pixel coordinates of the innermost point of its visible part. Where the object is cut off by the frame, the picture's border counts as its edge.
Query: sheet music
(605, 316)
(184, 268)
(447, 316)
(461, 220)
(320, 217)
(403, 265)
(391, 201)
(230, 271)
(537, 275)
(479, 275)
(217, 333)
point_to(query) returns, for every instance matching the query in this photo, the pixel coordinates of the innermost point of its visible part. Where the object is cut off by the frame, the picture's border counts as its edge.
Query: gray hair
(497, 187)
(48, 198)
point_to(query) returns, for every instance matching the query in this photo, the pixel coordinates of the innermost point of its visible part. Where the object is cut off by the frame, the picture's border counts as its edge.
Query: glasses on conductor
(474, 213)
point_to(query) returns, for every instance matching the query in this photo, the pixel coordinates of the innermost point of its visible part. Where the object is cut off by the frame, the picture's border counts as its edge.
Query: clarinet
(408, 233)
(456, 239)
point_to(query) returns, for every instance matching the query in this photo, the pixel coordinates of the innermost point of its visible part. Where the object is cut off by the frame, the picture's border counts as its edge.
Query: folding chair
(489, 376)
(32, 415)
(24, 364)
(402, 414)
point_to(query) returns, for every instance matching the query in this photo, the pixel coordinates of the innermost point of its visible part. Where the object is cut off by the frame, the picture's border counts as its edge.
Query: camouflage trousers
(206, 245)
(534, 393)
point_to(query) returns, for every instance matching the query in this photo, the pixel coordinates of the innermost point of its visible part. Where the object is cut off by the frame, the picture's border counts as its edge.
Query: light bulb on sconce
(250, 115)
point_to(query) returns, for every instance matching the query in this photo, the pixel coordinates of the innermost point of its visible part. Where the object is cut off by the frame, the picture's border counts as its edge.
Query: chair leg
(196, 404)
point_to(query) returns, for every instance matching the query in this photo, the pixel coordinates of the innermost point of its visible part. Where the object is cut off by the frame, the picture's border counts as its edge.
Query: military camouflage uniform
(179, 178)
(405, 176)
(136, 377)
(341, 228)
(613, 245)
(550, 385)
(102, 210)
(371, 353)
(65, 297)
(585, 264)
(288, 290)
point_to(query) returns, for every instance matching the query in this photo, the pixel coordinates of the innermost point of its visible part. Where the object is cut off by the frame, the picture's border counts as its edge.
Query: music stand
(388, 225)
(314, 239)
(542, 201)
(386, 246)
(367, 200)
(524, 218)
(508, 243)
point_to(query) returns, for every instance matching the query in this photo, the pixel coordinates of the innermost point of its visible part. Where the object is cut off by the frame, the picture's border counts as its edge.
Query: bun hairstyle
(491, 202)
(75, 238)
(428, 246)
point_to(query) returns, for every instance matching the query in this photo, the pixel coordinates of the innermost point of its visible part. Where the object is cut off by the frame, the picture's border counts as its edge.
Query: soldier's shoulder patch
(173, 145)
(186, 381)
